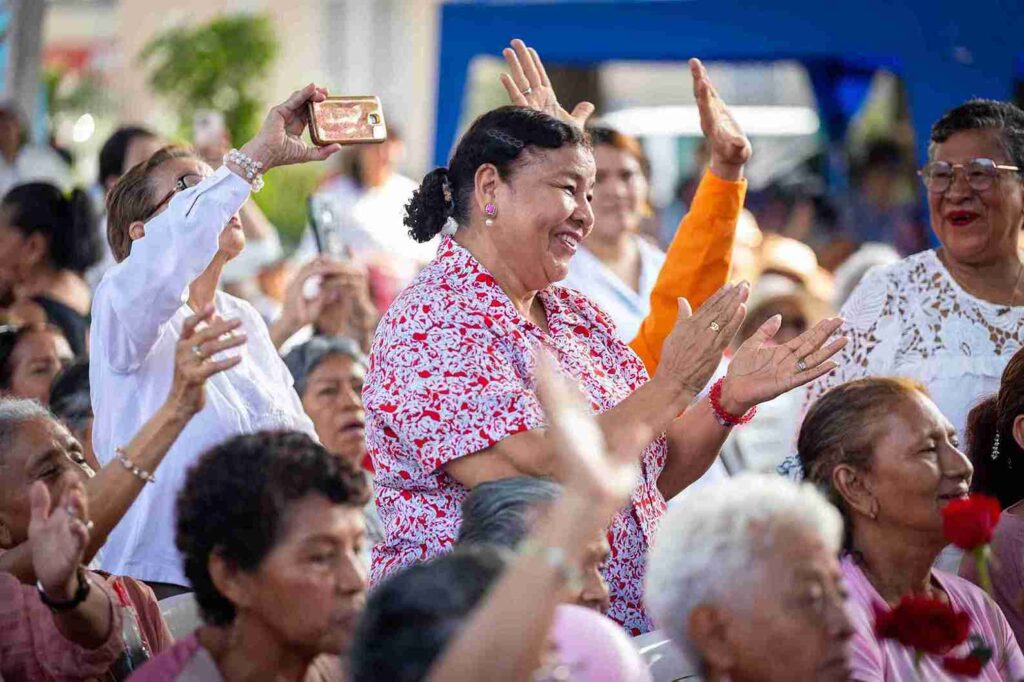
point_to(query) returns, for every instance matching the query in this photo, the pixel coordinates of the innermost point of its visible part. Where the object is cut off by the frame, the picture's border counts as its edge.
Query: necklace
(941, 255)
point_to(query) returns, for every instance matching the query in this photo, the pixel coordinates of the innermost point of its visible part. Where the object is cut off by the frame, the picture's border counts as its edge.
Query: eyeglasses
(938, 176)
(183, 183)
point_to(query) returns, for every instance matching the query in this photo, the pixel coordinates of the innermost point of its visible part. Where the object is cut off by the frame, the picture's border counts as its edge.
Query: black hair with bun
(67, 223)
(499, 137)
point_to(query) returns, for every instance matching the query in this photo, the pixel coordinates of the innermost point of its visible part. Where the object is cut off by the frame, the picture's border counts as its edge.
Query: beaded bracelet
(253, 169)
(80, 595)
(130, 466)
(725, 418)
(556, 558)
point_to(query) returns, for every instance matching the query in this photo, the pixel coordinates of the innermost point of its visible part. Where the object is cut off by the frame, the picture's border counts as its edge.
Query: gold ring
(715, 327)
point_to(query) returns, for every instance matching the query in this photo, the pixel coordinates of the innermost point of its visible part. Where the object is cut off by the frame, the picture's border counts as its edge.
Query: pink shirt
(1006, 569)
(31, 646)
(451, 374)
(873, 660)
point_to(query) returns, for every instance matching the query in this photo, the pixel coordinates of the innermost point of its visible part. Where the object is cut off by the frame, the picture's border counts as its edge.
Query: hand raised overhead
(528, 85)
(730, 148)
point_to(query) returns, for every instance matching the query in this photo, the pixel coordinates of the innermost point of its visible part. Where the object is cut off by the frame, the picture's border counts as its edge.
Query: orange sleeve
(697, 263)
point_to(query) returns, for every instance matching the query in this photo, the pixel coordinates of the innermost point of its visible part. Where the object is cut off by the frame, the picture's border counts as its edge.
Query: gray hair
(712, 544)
(13, 413)
(304, 358)
(502, 512)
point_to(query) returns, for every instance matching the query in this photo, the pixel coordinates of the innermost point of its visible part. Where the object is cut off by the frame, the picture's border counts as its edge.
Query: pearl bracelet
(253, 169)
(130, 466)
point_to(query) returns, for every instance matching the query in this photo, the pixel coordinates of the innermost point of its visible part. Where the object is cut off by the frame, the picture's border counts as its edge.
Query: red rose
(926, 625)
(969, 666)
(968, 523)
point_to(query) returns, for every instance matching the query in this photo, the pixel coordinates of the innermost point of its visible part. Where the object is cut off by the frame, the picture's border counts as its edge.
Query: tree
(214, 66)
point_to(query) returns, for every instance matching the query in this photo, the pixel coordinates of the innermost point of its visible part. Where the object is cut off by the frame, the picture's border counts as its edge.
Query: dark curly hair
(843, 426)
(1003, 476)
(235, 497)
(984, 114)
(501, 137)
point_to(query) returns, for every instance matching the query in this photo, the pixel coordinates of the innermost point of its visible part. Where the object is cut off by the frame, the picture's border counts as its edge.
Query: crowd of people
(508, 436)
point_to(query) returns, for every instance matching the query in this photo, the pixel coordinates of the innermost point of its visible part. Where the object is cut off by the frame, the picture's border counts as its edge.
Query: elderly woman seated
(502, 513)
(743, 577)
(891, 461)
(276, 572)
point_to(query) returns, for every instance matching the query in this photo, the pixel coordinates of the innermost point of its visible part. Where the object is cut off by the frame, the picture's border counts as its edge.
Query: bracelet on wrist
(253, 169)
(130, 466)
(556, 558)
(80, 595)
(725, 418)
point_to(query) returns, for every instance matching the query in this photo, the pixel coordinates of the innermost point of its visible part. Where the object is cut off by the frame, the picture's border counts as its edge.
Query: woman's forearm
(90, 623)
(694, 441)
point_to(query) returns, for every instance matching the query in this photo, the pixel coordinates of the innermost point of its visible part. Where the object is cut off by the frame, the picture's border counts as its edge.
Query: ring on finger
(527, 91)
(801, 365)
(715, 327)
(197, 351)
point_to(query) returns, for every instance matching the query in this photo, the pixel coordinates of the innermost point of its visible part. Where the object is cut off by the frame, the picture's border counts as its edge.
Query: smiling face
(309, 590)
(333, 400)
(977, 227)
(35, 361)
(40, 450)
(619, 193)
(543, 213)
(916, 468)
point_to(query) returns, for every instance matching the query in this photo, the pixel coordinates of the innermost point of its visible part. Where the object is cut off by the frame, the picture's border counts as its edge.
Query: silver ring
(801, 365)
(89, 525)
(715, 327)
(527, 91)
(70, 511)
(197, 351)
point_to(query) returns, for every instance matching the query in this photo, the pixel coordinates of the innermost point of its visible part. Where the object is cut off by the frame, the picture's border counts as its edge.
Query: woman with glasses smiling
(951, 317)
(172, 226)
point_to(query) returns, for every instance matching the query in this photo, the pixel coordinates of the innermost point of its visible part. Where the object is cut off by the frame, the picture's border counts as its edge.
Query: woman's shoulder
(969, 597)
(169, 665)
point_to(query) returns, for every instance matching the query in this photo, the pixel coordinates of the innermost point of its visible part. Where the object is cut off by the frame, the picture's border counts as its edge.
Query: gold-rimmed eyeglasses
(938, 176)
(183, 183)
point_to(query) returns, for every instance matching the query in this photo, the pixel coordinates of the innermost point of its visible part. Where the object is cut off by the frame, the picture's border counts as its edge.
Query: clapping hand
(59, 536)
(528, 85)
(279, 142)
(605, 473)
(730, 148)
(761, 370)
(194, 363)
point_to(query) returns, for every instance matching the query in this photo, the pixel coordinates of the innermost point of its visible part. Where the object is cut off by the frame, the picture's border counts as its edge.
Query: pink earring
(490, 210)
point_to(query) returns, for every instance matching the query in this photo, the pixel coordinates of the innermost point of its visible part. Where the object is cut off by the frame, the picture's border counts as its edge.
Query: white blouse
(137, 314)
(911, 319)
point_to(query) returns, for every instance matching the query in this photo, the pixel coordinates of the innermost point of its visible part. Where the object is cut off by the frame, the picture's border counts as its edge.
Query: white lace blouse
(911, 319)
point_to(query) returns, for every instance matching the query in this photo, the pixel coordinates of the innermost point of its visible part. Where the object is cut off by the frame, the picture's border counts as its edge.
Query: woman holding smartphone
(173, 225)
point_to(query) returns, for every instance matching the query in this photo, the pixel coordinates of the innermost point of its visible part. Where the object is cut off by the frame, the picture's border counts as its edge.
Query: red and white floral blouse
(451, 374)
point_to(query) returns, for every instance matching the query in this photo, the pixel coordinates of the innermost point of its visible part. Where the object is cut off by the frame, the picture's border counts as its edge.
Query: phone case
(347, 120)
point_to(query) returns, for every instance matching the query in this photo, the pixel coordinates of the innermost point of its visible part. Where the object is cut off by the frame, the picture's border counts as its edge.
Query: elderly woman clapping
(743, 577)
(173, 225)
(891, 461)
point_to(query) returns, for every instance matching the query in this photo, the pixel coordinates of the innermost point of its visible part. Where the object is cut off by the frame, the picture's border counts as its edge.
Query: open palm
(528, 85)
(761, 370)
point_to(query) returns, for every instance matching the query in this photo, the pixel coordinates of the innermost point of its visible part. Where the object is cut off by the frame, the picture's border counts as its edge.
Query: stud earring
(490, 210)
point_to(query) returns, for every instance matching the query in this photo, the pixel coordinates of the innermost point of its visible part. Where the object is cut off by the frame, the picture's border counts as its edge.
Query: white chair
(181, 613)
(665, 661)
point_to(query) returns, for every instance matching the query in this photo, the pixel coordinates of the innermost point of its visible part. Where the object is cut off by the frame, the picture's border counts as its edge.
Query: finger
(526, 60)
(723, 291)
(581, 112)
(189, 327)
(298, 98)
(767, 331)
(209, 349)
(208, 369)
(685, 312)
(515, 96)
(539, 65)
(812, 339)
(80, 533)
(322, 153)
(213, 332)
(515, 69)
(812, 373)
(39, 503)
(732, 326)
(820, 356)
(723, 307)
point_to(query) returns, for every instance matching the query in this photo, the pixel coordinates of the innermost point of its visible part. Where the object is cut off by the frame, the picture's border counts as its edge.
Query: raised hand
(279, 142)
(528, 85)
(694, 349)
(760, 370)
(59, 536)
(194, 363)
(730, 148)
(600, 471)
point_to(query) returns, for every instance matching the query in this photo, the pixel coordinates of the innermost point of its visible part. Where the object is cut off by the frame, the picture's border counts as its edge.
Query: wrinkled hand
(603, 472)
(694, 349)
(730, 148)
(527, 85)
(279, 142)
(300, 310)
(347, 309)
(193, 359)
(761, 371)
(59, 538)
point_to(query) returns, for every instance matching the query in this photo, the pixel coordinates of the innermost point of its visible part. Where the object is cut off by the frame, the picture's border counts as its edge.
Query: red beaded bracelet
(725, 418)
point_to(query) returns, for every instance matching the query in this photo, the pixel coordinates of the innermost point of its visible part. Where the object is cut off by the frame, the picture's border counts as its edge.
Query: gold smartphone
(347, 120)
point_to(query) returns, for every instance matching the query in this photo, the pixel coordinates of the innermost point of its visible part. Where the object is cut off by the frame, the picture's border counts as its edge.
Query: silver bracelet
(253, 169)
(130, 466)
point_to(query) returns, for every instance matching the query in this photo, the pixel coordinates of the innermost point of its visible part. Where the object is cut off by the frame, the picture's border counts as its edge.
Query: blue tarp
(945, 50)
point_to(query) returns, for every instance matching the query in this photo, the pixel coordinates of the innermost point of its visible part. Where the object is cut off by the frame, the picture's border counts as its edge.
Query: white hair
(712, 544)
(13, 413)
